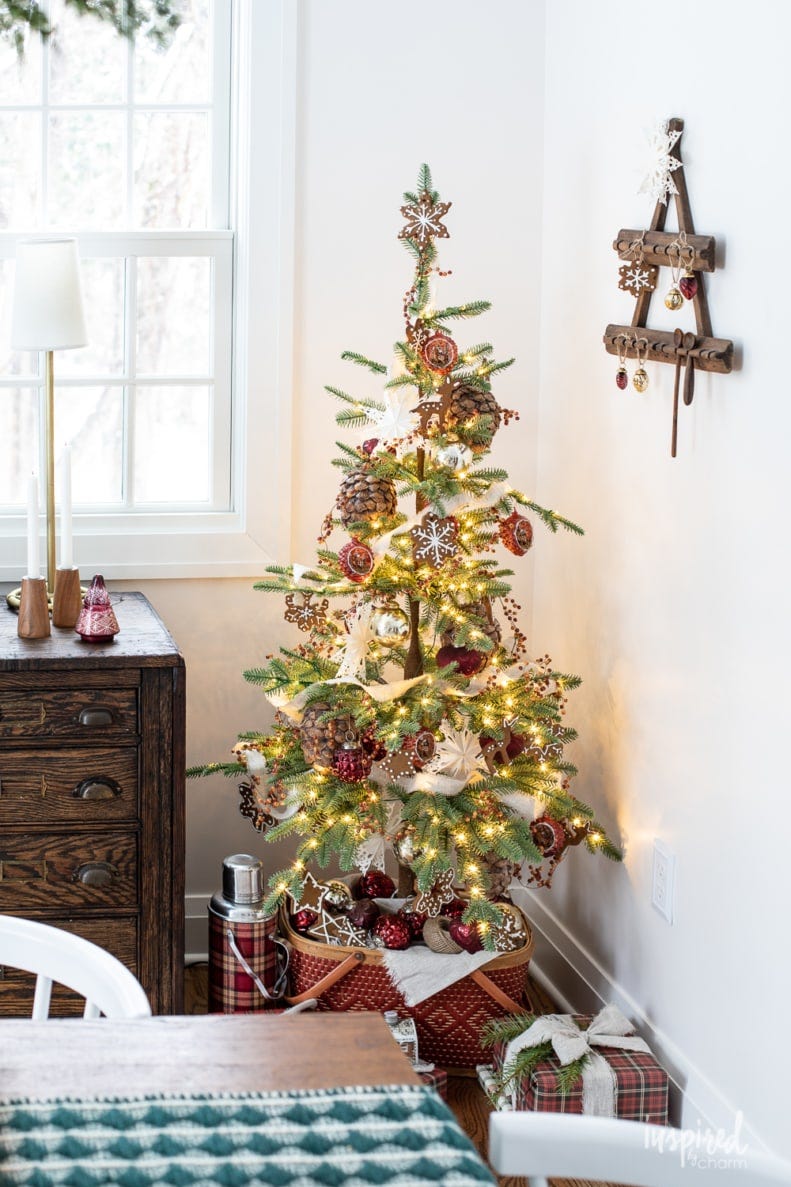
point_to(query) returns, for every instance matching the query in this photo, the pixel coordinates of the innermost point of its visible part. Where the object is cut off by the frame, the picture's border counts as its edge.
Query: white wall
(377, 97)
(673, 608)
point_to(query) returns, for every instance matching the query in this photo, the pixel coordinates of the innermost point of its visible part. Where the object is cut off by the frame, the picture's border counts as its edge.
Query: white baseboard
(577, 982)
(196, 928)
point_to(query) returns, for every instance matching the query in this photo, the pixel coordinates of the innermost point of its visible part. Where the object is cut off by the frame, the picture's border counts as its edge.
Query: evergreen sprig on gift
(512, 1075)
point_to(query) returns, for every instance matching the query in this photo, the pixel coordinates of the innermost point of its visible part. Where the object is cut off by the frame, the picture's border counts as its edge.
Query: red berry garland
(377, 884)
(516, 533)
(356, 561)
(392, 931)
(373, 745)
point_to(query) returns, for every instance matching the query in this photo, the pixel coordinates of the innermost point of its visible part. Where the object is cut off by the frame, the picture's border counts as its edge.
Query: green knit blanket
(348, 1137)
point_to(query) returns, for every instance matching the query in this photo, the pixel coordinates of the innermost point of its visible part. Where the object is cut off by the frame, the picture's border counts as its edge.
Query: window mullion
(130, 371)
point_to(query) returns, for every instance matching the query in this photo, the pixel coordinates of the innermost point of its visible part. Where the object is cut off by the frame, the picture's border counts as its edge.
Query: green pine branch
(351, 356)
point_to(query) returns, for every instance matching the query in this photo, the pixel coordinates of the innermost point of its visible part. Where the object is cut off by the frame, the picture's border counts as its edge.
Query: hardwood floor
(465, 1096)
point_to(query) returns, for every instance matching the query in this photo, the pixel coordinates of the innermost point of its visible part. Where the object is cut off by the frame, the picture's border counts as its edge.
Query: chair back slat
(41, 998)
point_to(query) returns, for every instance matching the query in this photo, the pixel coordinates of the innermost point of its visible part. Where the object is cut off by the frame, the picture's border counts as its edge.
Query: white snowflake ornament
(458, 754)
(658, 181)
(397, 420)
(352, 663)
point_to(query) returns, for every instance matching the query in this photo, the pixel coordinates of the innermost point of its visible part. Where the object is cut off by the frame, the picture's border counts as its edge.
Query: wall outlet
(663, 881)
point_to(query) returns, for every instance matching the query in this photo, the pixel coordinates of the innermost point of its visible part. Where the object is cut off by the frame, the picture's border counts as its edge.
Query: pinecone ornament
(467, 403)
(500, 872)
(363, 496)
(321, 739)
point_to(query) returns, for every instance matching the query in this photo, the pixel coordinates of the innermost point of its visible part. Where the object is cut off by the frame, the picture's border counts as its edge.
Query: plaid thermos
(243, 966)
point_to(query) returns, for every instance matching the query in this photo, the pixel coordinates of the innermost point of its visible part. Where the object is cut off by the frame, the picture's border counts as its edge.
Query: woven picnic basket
(449, 1024)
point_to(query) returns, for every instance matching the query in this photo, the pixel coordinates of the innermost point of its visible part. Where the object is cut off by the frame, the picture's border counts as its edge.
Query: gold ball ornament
(390, 626)
(640, 379)
(674, 299)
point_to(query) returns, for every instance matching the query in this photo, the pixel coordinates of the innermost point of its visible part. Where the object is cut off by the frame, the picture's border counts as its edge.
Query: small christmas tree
(412, 719)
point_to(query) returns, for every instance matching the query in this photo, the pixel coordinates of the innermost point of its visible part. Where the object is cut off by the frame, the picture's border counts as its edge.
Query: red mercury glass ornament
(688, 285)
(622, 378)
(97, 622)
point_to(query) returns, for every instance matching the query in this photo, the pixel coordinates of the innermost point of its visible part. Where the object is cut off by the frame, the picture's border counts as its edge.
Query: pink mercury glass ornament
(97, 622)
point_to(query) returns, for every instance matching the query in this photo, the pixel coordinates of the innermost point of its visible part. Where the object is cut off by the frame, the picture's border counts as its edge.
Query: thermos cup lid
(243, 878)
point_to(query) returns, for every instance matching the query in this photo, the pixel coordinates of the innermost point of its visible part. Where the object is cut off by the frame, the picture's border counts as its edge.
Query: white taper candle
(32, 527)
(66, 541)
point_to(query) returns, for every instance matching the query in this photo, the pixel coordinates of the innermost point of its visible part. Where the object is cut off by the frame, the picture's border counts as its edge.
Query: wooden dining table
(253, 1100)
(207, 1053)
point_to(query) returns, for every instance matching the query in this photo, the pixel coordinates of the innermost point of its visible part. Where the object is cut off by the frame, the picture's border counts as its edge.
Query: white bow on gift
(610, 1028)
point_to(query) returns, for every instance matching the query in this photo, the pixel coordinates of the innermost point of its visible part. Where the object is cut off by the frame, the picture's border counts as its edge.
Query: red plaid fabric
(231, 990)
(641, 1092)
(436, 1079)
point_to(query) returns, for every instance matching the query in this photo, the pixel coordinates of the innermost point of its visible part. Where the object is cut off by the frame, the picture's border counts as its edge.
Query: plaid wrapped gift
(437, 1079)
(231, 989)
(641, 1085)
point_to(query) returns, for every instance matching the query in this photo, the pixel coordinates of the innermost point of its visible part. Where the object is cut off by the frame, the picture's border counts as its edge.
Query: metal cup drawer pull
(95, 716)
(97, 787)
(95, 873)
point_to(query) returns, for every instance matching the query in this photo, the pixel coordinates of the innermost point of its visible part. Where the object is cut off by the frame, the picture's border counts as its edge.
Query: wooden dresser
(92, 768)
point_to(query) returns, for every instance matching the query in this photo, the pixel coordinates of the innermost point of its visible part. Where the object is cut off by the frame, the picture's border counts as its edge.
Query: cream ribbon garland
(293, 707)
(610, 1028)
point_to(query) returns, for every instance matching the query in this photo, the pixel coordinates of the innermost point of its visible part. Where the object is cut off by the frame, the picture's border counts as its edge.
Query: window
(128, 149)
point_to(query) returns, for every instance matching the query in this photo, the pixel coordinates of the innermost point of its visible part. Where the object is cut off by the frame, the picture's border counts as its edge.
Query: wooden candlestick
(33, 609)
(67, 600)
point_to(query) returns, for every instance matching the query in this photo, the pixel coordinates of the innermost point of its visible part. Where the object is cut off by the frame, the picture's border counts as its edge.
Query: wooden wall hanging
(656, 248)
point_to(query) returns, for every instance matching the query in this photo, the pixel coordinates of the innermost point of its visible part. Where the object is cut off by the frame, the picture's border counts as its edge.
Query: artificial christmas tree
(411, 719)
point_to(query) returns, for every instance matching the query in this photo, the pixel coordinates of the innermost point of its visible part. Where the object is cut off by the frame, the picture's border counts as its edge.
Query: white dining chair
(598, 1149)
(53, 955)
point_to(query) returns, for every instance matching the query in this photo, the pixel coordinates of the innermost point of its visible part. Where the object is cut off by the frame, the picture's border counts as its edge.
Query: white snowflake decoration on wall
(658, 181)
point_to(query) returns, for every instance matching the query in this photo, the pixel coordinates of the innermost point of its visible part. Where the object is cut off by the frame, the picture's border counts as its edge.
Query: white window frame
(256, 351)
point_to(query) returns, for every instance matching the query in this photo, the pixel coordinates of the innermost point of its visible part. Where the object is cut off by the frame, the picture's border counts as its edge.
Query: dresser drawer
(69, 871)
(94, 715)
(118, 936)
(68, 786)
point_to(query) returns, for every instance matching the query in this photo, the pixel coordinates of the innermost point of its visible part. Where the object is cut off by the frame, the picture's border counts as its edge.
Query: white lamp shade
(48, 312)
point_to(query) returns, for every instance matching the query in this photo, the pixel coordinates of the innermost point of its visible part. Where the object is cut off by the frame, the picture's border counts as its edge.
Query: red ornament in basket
(449, 1023)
